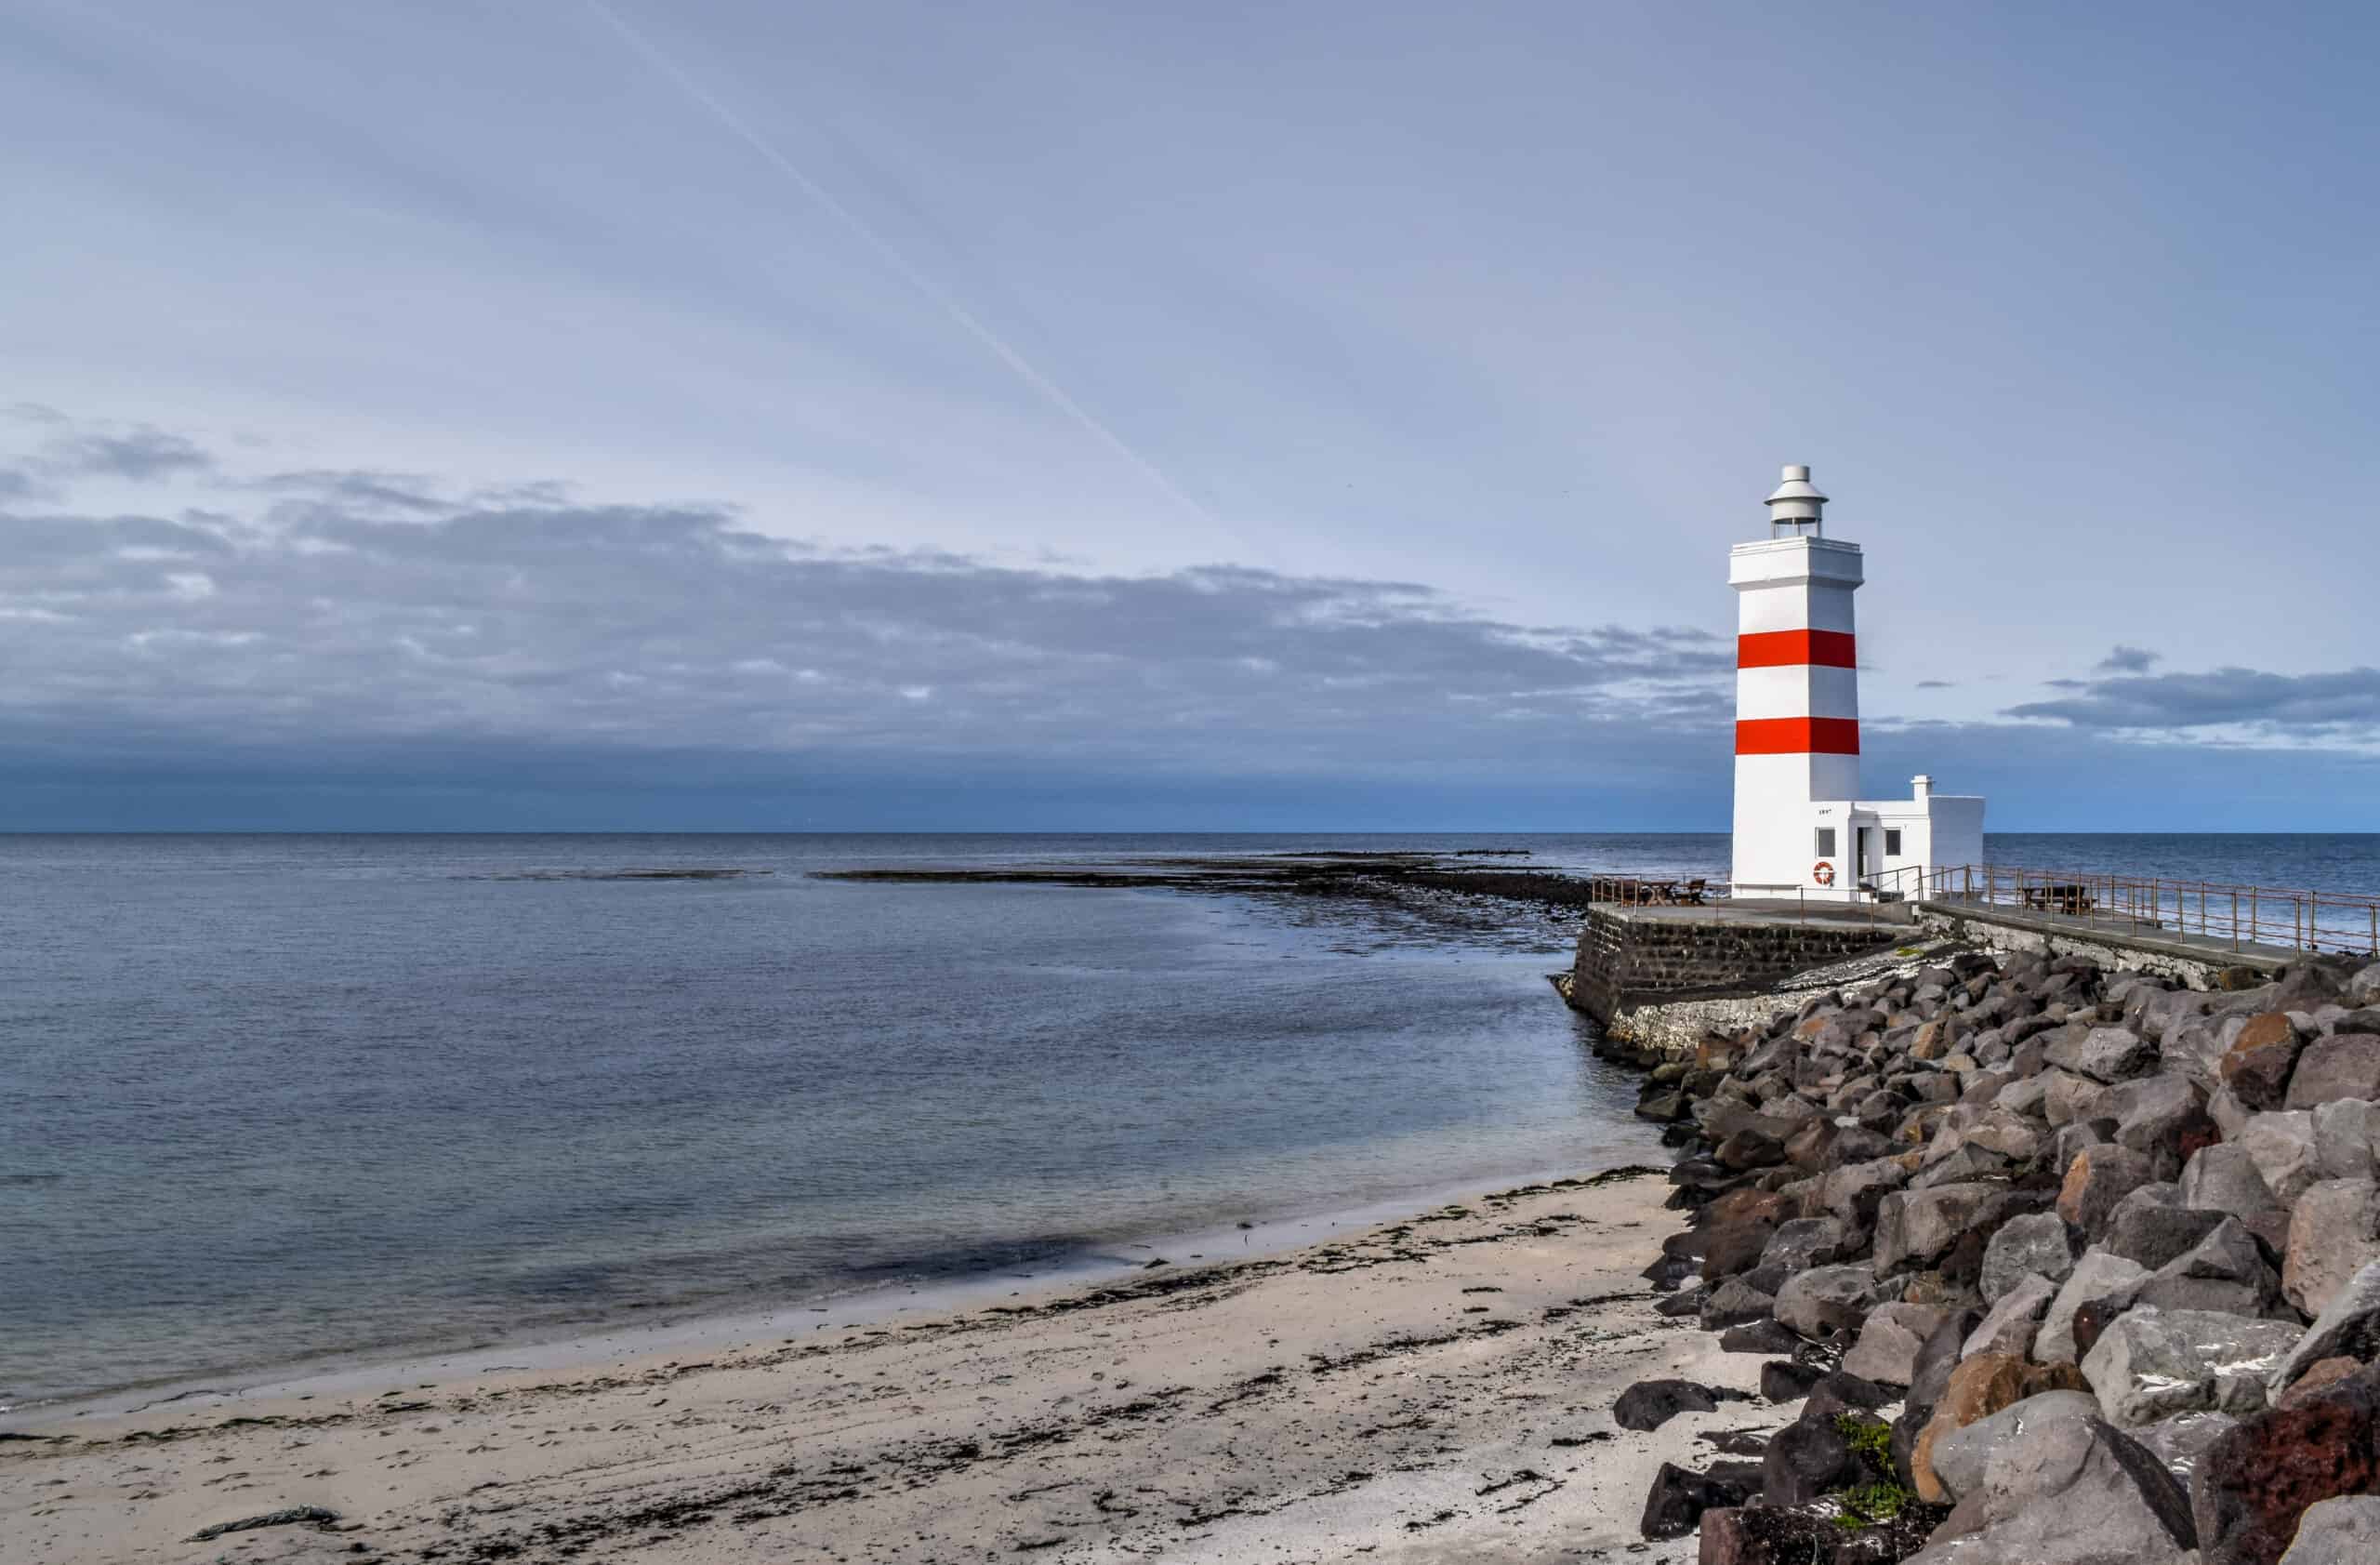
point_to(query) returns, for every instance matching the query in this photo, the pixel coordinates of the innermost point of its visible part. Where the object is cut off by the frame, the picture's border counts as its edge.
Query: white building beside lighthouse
(1801, 828)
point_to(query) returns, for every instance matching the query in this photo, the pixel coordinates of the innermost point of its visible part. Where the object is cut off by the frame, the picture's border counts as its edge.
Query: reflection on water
(264, 1098)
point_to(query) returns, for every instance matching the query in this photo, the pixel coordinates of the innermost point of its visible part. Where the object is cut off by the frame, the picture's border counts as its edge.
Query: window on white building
(1892, 843)
(1826, 842)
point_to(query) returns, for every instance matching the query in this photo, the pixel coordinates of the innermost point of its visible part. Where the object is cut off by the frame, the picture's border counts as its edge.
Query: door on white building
(1869, 863)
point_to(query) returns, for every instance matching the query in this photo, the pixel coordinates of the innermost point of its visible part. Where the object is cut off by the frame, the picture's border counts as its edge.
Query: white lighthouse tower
(1801, 827)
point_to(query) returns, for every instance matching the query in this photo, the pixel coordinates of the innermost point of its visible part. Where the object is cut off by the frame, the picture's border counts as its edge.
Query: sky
(739, 416)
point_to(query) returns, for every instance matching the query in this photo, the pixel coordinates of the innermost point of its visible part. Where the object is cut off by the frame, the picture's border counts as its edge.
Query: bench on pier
(1640, 893)
(2060, 896)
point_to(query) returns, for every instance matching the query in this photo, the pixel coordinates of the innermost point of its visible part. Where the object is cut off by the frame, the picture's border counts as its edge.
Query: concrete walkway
(2203, 951)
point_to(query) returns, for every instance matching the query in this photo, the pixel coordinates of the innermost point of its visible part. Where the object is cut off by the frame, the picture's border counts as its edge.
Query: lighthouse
(1801, 829)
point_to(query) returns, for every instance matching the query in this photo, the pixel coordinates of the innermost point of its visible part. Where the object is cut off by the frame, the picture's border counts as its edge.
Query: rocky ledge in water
(2113, 1244)
(690, 872)
(1425, 890)
(1335, 873)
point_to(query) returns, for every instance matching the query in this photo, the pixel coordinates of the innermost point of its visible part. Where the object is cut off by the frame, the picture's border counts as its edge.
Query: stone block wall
(1627, 958)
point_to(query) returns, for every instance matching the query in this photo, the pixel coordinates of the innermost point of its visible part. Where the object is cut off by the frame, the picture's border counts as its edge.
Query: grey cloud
(1936, 685)
(2122, 659)
(408, 493)
(331, 621)
(2326, 703)
(142, 454)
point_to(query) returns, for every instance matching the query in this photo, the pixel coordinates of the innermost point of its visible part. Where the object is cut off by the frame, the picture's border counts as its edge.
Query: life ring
(1824, 873)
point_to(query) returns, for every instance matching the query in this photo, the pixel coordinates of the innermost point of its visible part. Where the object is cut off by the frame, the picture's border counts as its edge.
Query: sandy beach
(1434, 1388)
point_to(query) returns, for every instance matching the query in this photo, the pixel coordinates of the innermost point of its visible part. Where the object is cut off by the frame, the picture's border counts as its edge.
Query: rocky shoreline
(2066, 1267)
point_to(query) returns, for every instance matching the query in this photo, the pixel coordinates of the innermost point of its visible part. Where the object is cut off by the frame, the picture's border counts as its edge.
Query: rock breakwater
(2109, 1246)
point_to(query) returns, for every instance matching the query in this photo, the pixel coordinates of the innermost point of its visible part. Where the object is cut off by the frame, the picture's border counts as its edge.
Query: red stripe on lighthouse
(1778, 649)
(1797, 736)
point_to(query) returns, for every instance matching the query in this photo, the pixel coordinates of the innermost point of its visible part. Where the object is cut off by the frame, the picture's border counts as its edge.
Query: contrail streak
(960, 313)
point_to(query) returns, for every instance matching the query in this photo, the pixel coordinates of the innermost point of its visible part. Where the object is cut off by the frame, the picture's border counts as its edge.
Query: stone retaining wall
(1629, 961)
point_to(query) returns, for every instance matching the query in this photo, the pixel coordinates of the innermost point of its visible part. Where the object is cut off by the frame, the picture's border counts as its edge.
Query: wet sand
(1436, 1388)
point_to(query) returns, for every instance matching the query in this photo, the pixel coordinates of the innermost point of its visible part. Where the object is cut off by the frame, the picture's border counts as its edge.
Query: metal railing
(1679, 891)
(2278, 916)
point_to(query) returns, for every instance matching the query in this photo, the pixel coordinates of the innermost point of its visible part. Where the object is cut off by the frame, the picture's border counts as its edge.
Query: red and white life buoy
(1824, 873)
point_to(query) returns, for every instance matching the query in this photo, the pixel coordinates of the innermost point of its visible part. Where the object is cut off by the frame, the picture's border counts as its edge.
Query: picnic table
(1639, 891)
(2059, 896)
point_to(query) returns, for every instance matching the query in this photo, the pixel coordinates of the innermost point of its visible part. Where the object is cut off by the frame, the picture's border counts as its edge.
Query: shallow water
(268, 1098)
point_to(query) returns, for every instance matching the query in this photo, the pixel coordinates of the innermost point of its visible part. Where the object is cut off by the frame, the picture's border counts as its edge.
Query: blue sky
(742, 415)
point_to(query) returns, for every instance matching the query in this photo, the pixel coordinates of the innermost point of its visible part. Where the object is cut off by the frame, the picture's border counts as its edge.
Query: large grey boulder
(2181, 1440)
(2014, 1321)
(2073, 1098)
(2035, 1246)
(1887, 1351)
(2346, 1066)
(2344, 1531)
(2334, 1233)
(2160, 1012)
(2348, 1326)
(2230, 1115)
(1805, 1242)
(2282, 1145)
(1853, 1192)
(2346, 1140)
(2195, 1051)
(2096, 1181)
(1919, 1226)
(2225, 1270)
(1962, 1457)
(2024, 1096)
(1827, 1302)
(2013, 1134)
(1963, 1165)
(2104, 1054)
(2062, 1487)
(2224, 1178)
(1736, 1302)
(2154, 1233)
(2150, 1363)
(2098, 1274)
(2157, 1116)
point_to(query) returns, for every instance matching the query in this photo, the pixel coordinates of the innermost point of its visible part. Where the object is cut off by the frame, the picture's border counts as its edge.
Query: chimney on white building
(1920, 787)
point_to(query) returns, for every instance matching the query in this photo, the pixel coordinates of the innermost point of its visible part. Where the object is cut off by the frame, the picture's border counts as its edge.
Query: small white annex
(1801, 829)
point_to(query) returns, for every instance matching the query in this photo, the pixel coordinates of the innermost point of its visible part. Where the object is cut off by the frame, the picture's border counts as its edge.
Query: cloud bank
(355, 629)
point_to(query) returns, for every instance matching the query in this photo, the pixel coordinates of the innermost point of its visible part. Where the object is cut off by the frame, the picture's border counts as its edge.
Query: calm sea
(266, 1099)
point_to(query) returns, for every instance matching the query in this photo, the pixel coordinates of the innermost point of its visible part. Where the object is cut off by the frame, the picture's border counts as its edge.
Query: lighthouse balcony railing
(2240, 916)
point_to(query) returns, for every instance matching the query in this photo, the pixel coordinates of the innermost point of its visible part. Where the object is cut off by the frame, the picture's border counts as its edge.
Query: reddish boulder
(2255, 1482)
(2257, 1066)
(2319, 1379)
(2097, 1180)
(1980, 1387)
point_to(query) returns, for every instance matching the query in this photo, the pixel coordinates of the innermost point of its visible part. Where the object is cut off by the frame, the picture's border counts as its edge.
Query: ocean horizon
(269, 1099)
